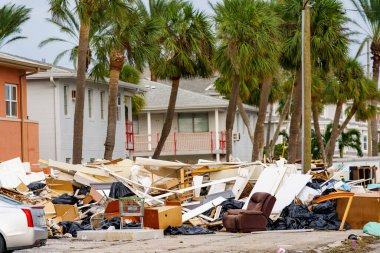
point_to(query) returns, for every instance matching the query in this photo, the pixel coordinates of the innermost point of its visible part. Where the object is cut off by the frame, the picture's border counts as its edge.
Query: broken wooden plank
(199, 210)
(216, 188)
(159, 163)
(65, 167)
(242, 180)
(197, 180)
(86, 179)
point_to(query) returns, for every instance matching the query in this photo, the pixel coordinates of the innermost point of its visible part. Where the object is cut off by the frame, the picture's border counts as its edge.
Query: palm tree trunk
(295, 122)
(283, 115)
(245, 118)
(375, 77)
(169, 118)
(80, 92)
(153, 76)
(116, 64)
(259, 128)
(330, 146)
(230, 118)
(267, 141)
(314, 107)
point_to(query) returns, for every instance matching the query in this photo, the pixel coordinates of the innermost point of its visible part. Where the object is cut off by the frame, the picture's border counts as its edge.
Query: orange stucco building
(18, 133)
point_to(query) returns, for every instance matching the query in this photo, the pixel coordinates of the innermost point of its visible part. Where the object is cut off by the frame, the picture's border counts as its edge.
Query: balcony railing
(178, 143)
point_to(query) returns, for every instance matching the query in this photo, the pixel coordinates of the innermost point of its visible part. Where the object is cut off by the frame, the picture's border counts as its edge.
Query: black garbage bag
(327, 207)
(36, 188)
(204, 191)
(66, 199)
(187, 230)
(323, 217)
(119, 190)
(73, 227)
(279, 224)
(299, 212)
(315, 183)
(115, 221)
(327, 191)
(84, 190)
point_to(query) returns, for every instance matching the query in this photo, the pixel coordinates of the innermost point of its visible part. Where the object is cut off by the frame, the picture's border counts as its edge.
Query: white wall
(242, 148)
(41, 105)
(40, 102)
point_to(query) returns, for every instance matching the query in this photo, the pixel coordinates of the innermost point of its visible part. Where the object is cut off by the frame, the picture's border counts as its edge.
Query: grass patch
(363, 245)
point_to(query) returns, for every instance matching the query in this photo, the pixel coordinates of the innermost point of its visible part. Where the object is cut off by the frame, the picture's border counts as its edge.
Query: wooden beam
(203, 208)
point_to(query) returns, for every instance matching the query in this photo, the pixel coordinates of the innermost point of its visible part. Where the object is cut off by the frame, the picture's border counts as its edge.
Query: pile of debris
(91, 196)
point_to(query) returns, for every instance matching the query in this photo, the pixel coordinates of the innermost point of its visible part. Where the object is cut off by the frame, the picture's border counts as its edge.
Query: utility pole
(369, 133)
(306, 88)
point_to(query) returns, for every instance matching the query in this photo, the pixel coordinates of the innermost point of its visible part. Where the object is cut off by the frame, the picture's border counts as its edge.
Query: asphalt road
(219, 242)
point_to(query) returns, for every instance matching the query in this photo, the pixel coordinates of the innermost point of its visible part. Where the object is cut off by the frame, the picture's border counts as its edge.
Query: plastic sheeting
(323, 217)
(372, 228)
(187, 230)
(119, 190)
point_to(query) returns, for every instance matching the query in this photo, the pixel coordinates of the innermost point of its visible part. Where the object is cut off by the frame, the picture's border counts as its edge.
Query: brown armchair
(255, 218)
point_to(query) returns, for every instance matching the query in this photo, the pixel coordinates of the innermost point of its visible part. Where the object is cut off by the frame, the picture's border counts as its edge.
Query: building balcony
(180, 144)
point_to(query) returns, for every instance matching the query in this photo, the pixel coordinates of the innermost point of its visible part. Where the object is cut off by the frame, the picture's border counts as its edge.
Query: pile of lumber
(174, 193)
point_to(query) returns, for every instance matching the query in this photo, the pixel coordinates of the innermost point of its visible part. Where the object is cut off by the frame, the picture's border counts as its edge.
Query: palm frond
(11, 19)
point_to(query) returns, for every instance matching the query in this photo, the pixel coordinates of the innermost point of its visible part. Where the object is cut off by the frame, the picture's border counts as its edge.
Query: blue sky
(38, 29)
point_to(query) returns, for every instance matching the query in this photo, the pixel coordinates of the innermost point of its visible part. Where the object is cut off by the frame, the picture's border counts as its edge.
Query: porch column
(130, 119)
(149, 121)
(217, 147)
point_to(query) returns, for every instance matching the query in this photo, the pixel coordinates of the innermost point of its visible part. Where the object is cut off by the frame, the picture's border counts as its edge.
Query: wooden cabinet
(162, 217)
(365, 207)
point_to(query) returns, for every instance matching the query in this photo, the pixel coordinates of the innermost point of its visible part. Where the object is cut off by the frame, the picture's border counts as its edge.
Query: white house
(51, 101)
(198, 129)
(206, 87)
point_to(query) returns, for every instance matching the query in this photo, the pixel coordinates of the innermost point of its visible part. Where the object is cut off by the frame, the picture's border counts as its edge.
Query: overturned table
(365, 208)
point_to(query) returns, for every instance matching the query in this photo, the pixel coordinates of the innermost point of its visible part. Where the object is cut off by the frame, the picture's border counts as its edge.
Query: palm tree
(349, 84)
(329, 46)
(127, 38)
(187, 49)
(349, 138)
(249, 47)
(156, 10)
(11, 18)
(369, 11)
(88, 11)
(249, 94)
(69, 25)
(283, 110)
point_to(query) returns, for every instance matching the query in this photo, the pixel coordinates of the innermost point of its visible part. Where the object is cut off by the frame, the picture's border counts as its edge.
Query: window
(193, 122)
(102, 104)
(118, 115)
(90, 103)
(365, 142)
(65, 109)
(68, 160)
(135, 124)
(11, 100)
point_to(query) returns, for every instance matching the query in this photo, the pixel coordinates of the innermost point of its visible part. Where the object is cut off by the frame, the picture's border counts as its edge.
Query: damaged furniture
(255, 218)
